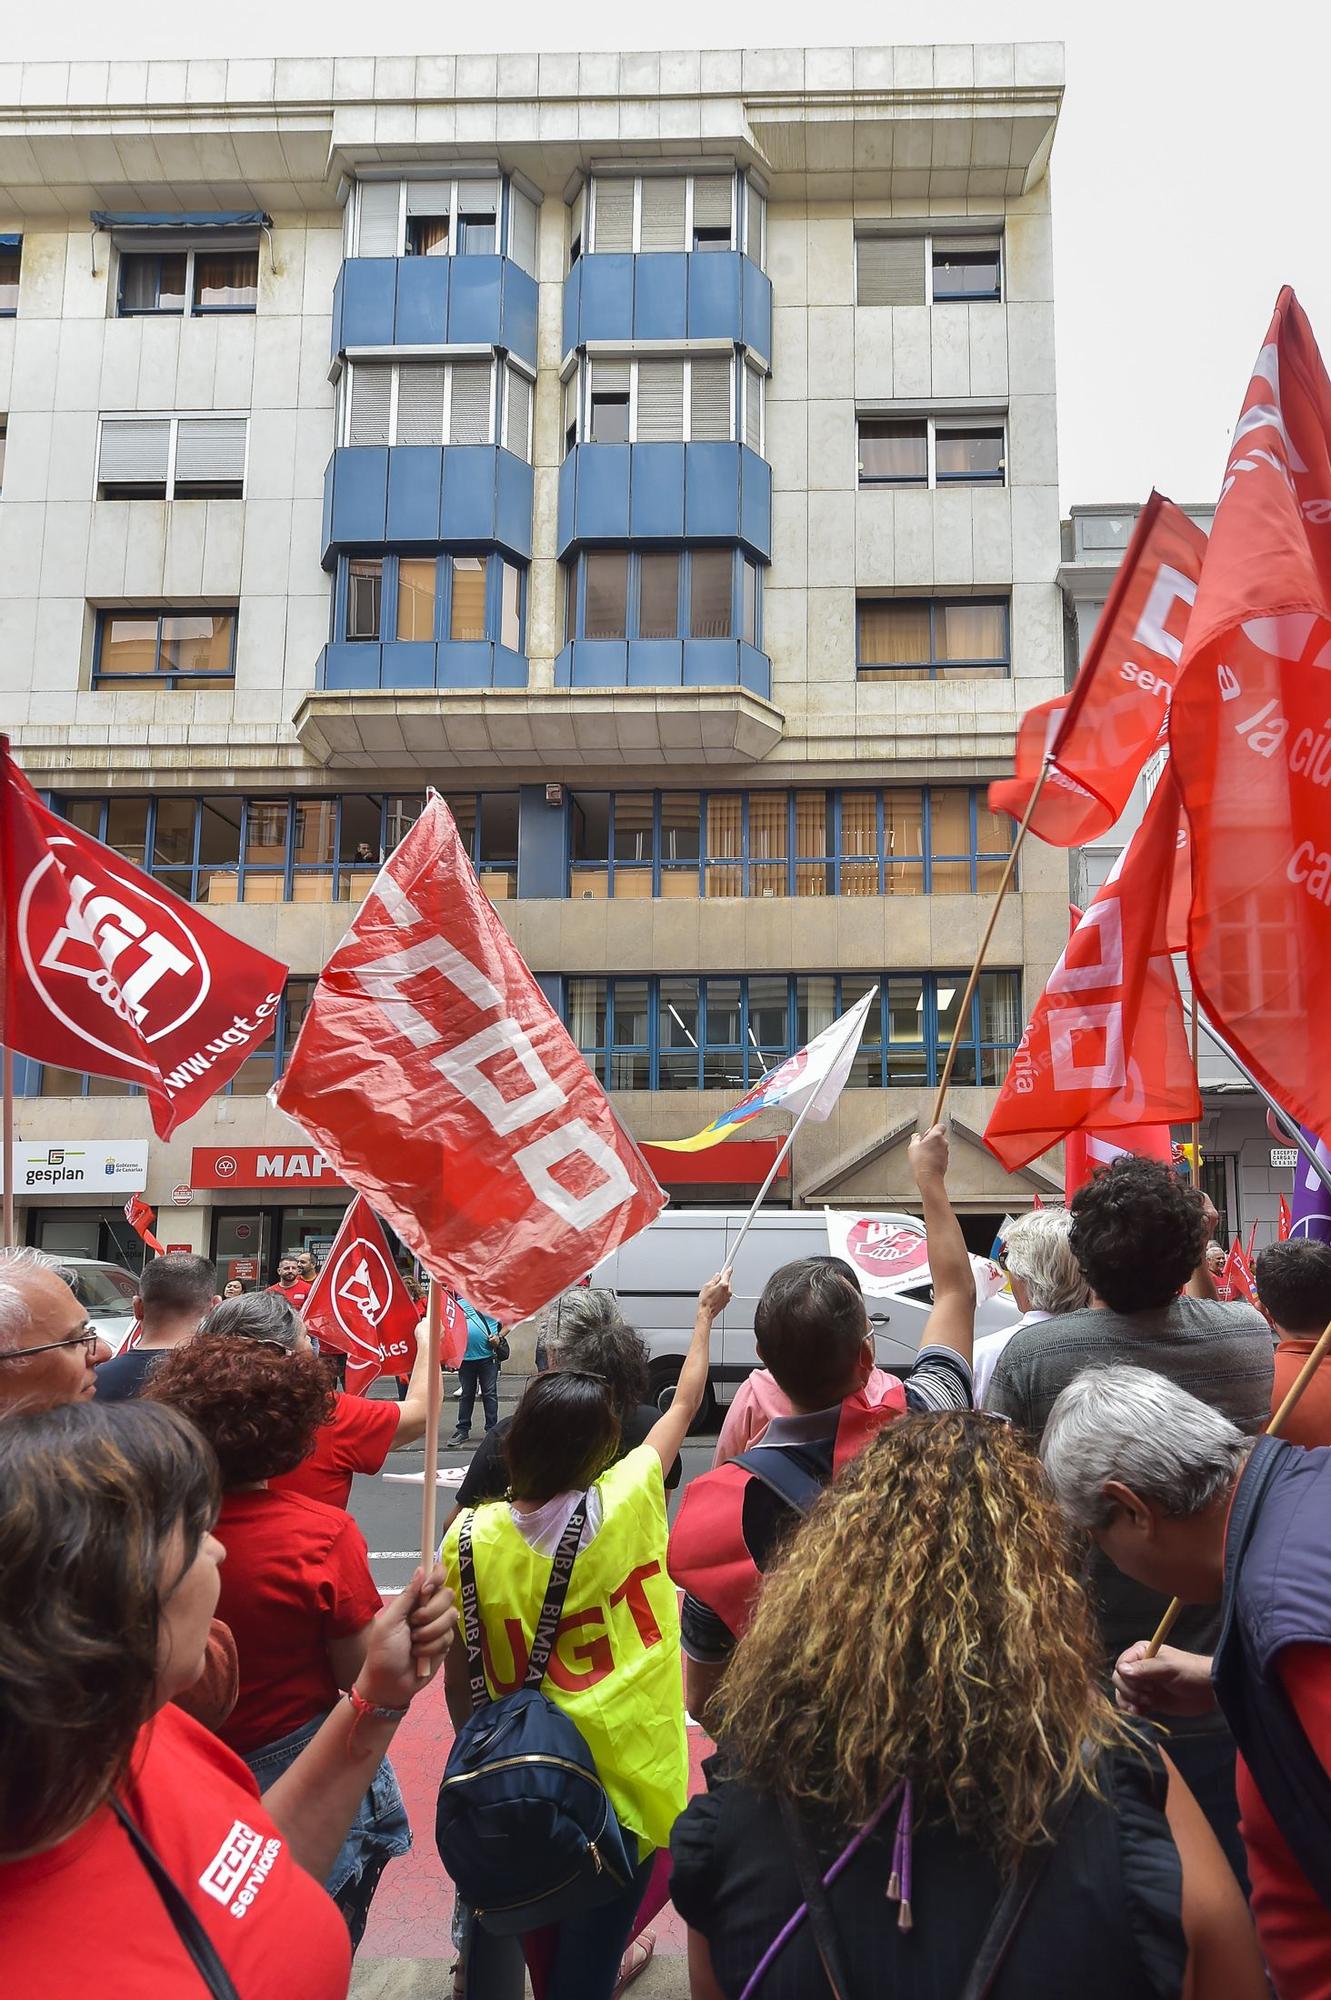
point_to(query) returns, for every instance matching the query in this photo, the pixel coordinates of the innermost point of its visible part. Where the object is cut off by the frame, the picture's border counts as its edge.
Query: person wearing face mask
(136, 1856)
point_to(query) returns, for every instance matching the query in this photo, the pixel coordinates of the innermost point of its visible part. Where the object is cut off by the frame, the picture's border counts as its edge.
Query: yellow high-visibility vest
(615, 1669)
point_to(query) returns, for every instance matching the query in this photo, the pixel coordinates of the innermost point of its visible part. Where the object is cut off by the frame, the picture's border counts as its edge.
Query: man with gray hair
(1182, 1501)
(1045, 1278)
(49, 1348)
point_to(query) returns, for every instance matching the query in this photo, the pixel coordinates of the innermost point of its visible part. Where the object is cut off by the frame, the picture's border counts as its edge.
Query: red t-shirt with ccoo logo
(357, 1438)
(86, 1917)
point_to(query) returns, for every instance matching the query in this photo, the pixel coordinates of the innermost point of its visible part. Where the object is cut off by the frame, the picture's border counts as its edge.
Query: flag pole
(1196, 1123)
(8, 1143)
(1293, 1130)
(433, 1407)
(1273, 1429)
(1004, 884)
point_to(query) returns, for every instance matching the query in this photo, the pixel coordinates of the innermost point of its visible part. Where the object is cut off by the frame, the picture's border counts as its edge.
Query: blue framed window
(933, 638)
(663, 594)
(255, 1077)
(457, 595)
(291, 847)
(165, 648)
(726, 1031)
(173, 282)
(932, 840)
(11, 260)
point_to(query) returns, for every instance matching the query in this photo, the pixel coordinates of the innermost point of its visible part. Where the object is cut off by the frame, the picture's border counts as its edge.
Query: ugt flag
(1106, 1045)
(435, 1077)
(106, 970)
(358, 1304)
(814, 1077)
(889, 1253)
(1100, 734)
(1250, 728)
(141, 1217)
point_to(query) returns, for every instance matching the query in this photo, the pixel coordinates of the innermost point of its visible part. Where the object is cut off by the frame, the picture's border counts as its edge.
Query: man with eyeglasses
(49, 1348)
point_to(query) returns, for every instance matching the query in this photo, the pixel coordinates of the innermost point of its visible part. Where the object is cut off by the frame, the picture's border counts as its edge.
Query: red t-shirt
(1293, 1926)
(357, 1438)
(296, 1575)
(294, 1295)
(85, 1918)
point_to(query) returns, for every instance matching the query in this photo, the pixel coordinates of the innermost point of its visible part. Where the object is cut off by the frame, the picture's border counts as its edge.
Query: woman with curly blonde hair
(920, 1784)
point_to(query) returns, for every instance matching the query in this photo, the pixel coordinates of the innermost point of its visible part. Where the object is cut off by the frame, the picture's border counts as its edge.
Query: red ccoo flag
(434, 1075)
(107, 971)
(358, 1304)
(141, 1217)
(1084, 1153)
(1099, 735)
(1106, 1045)
(1251, 736)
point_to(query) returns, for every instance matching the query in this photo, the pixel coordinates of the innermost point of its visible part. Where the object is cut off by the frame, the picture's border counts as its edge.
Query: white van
(658, 1274)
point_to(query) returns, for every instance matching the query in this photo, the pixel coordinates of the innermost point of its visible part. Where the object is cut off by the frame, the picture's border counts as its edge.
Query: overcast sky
(1190, 171)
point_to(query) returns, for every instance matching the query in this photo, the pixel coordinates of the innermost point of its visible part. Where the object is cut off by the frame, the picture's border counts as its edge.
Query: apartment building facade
(1245, 1169)
(655, 453)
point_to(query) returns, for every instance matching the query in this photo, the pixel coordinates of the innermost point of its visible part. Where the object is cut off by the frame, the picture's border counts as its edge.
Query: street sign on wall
(1284, 1156)
(80, 1166)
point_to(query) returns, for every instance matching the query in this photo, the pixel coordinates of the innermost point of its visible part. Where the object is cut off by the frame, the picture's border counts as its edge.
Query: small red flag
(358, 1304)
(141, 1218)
(1084, 1153)
(1282, 1226)
(1106, 1046)
(107, 971)
(1236, 1280)
(434, 1076)
(1250, 729)
(1100, 734)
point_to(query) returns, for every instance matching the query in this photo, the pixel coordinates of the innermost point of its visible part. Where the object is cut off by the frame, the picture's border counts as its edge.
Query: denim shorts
(379, 1831)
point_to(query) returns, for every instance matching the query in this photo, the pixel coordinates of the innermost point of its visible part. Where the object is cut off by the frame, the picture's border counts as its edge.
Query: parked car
(106, 1292)
(657, 1275)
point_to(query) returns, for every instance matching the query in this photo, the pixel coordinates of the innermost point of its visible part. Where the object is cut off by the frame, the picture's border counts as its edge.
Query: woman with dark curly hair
(132, 1843)
(912, 1716)
(296, 1590)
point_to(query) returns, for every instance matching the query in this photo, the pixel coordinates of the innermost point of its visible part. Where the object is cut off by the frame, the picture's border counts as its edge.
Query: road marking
(394, 1555)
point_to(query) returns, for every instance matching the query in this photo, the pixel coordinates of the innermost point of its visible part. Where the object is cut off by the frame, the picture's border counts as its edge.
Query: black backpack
(523, 1824)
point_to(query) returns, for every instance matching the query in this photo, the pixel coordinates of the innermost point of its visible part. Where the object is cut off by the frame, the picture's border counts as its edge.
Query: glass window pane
(427, 235)
(813, 872)
(750, 627)
(710, 585)
(949, 822)
(658, 597)
(681, 843)
(364, 587)
(127, 828)
(476, 235)
(171, 283)
(415, 597)
(173, 835)
(197, 642)
(906, 1060)
(589, 822)
(768, 821)
(230, 280)
(467, 617)
(510, 607)
(949, 990)
(769, 1028)
(129, 644)
(631, 1013)
(895, 633)
(633, 828)
(994, 831)
(610, 419)
(85, 814)
(966, 274)
(219, 849)
(1000, 1015)
(315, 821)
(969, 456)
(972, 631)
(404, 809)
(725, 844)
(360, 833)
(138, 282)
(266, 833)
(607, 586)
(903, 842)
(723, 1013)
(894, 454)
(587, 1013)
(815, 1005)
(859, 844)
(499, 843)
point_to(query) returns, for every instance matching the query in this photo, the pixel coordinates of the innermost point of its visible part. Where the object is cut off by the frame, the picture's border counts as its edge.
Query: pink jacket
(758, 1400)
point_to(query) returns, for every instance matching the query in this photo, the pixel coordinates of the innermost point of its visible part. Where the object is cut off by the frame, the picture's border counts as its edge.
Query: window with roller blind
(209, 279)
(642, 213)
(427, 599)
(435, 403)
(933, 638)
(662, 594)
(726, 1030)
(934, 840)
(702, 398)
(458, 216)
(895, 269)
(928, 451)
(177, 457)
(182, 646)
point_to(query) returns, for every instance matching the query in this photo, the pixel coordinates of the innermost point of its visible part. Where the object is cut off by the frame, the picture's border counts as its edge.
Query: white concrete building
(655, 452)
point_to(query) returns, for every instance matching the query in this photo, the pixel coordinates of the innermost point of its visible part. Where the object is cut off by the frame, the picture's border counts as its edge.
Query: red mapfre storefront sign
(740, 1163)
(261, 1167)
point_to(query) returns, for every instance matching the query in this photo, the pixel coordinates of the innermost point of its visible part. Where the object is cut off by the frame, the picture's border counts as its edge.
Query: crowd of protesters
(913, 1614)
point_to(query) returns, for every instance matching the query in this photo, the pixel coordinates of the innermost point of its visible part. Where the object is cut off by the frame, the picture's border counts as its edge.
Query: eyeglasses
(87, 1339)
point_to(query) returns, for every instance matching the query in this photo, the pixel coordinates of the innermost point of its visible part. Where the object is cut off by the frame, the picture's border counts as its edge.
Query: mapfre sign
(260, 1167)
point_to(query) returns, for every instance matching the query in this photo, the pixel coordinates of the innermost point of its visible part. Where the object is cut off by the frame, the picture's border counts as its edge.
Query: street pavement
(407, 1944)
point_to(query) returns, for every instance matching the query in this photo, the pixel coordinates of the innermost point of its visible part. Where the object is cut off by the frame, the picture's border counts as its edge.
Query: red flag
(1106, 1046)
(1084, 1153)
(452, 1332)
(1282, 1226)
(435, 1077)
(1236, 1280)
(107, 971)
(141, 1218)
(1250, 729)
(358, 1304)
(1100, 734)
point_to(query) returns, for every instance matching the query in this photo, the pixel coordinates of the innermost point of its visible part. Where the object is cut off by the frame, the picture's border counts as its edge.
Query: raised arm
(1201, 1285)
(952, 1321)
(411, 1411)
(669, 1432)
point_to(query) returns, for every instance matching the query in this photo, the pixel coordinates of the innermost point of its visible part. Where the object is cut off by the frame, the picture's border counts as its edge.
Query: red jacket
(708, 1553)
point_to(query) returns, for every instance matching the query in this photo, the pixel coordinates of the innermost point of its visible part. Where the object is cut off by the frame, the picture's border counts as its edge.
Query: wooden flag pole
(1004, 884)
(7, 1140)
(1273, 1429)
(434, 1399)
(1196, 1123)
